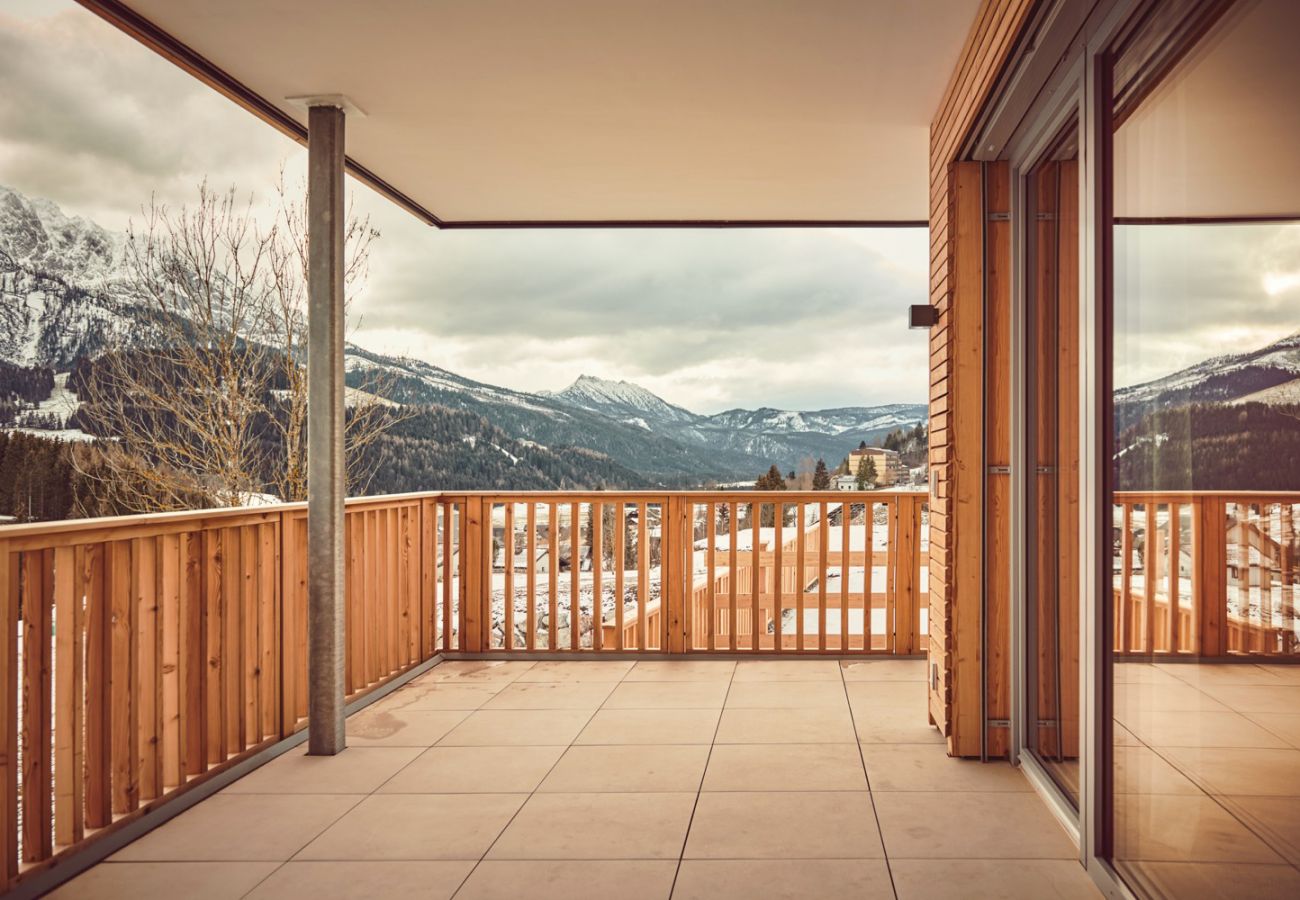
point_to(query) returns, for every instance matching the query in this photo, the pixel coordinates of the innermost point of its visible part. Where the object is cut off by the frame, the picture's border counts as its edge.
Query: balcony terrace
(642, 779)
(663, 744)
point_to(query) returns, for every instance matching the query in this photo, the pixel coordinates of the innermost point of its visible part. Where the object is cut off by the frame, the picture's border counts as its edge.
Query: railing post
(906, 575)
(674, 548)
(475, 563)
(1210, 562)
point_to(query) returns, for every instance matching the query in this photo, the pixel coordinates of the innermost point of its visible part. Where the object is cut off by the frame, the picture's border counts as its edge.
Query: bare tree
(208, 399)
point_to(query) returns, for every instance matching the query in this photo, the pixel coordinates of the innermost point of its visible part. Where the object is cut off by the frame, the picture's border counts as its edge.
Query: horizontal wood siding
(954, 446)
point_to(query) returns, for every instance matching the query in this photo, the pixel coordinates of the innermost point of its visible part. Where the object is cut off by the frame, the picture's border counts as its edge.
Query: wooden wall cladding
(956, 383)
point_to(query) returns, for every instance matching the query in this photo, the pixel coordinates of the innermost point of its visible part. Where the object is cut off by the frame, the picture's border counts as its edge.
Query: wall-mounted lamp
(923, 316)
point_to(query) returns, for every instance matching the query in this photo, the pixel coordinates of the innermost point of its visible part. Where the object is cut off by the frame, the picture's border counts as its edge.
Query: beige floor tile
(780, 824)
(551, 695)
(353, 880)
(166, 881)
(681, 670)
(1275, 819)
(1141, 673)
(417, 826)
(578, 670)
(1262, 773)
(1284, 725)
(991, 879)
(230, 827)
(1213, 881)
(970, 825)
(476, 670)
(787, 670)
(402, 728)
(1287, 674)
(1251, 698)
(786, 694)
(925, 767)
(887, 695)
(628, 769)
(1191, 829)
(783, 879)
(785, 726)
(894, 726)
(357, 770)
(785, 767)
(1133, 700)
(668, 695)
(1205, 728)
(625, 879)
(474, 770)
(650, 726)
(597, 826)
(1140, 770)
(1205, 675)
(518, 728)
(451, 694)
(885, 670)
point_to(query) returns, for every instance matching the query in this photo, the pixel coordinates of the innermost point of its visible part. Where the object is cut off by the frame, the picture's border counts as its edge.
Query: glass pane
(1206, 462)
(1052, 512)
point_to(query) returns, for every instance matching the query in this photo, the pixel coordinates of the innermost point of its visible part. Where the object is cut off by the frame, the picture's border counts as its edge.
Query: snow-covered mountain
(621, 400)
(1270, 374)
(63, 295)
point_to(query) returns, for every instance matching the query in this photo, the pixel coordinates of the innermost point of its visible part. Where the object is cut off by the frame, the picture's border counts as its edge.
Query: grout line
(884, 851)
(690, 822)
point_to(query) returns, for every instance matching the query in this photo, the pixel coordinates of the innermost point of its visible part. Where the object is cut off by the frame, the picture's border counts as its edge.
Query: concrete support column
(326, 468)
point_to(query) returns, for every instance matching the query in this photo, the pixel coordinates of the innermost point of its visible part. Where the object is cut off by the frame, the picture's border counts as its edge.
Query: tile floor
(1208, 779)
(684, 779)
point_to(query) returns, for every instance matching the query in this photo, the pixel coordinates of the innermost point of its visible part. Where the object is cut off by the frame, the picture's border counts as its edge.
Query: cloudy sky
(708, 319)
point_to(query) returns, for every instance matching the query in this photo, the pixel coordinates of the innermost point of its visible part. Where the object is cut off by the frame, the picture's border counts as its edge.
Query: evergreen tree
(821, 477)
(866, 473)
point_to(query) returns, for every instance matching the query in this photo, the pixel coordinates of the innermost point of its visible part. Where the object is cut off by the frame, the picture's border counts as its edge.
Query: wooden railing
(143, 655)
(688, 572)
(1224, 570)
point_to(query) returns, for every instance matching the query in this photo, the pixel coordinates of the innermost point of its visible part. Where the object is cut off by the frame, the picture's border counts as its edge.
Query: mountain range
(64, 295)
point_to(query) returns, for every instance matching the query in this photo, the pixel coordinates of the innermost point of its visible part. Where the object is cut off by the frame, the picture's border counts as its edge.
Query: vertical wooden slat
(448, 572)
(169, 603)
(69, 591)
(126, 787)
(233, 658)
(575, 577)
(1150, 581)
(711, 587)
(1175, 551)
(214, 614)
(149, 683)
(756, 574)
(99, 750)
(508, 564)
(823, 538)
(192, 657)
(643, 574)
(733, 573)
(778, 575)
(10, 580)
(428, 566)
(619, 562)
(530, 574)
(801, 572)
(553, 574)
(846, 547)
(269, 598)
(672, 555)
(1125, 629)
(597, 572)
(37, 600)
(869, 527)
(249, 649)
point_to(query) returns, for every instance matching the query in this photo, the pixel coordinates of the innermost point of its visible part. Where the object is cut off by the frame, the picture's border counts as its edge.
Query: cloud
(1187, 292)
(709, 318)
